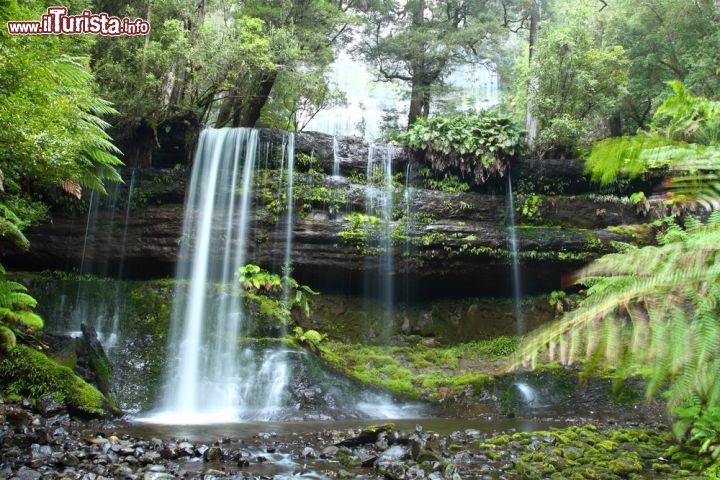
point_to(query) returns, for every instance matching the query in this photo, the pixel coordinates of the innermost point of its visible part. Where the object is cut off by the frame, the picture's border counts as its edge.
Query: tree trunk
(531, 125)
(251, 112)
(227, 108)
(418, 99)
(418, 92)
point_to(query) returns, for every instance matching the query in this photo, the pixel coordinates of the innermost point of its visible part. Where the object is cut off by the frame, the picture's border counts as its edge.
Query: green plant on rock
(480, 144)
(447, 182)
(309, 338)
(273, 295)
(642, 204)
(529, 205)
(26, 372)
(360, 230)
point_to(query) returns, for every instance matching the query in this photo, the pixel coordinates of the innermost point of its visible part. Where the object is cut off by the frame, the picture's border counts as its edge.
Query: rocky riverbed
(51, 445)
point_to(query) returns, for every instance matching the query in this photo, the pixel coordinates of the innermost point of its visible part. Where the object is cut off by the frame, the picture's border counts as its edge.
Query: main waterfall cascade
(210, 377)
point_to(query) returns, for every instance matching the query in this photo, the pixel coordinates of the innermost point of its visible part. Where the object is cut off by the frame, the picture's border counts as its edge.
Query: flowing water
(514, 258)
(380, 257)
(211, 378)
(372, 105)
(80, 304)
(336, 159)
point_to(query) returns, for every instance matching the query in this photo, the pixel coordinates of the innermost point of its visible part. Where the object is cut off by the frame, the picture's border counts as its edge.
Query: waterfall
(379, 203)
(408, 197)
(210, 378)
(516, 280)
(102, 314)
(371, 104)
(336, 159)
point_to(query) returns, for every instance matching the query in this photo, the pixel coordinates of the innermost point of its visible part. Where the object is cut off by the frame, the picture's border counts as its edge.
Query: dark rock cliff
(439, 239)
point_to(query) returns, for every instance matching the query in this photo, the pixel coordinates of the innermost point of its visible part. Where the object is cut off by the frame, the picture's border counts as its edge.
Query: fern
(11, 228)
(16, 315)
(656, 310)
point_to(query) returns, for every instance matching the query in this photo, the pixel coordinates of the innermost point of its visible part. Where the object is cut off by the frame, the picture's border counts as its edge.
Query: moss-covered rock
(26, 372)
(587, 452)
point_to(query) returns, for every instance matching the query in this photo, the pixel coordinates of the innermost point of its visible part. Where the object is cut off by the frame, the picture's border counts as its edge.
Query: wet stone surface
(58, 447)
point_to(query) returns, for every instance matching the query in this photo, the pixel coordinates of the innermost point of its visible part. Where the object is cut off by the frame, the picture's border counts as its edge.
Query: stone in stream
(49, 407)
(157, 476)
(329, 452)
(150, 457)
(27, 474)
(213, 454)
(69, 460)
(366, 436)
(309, 452)
(169, 452)
(394, 453)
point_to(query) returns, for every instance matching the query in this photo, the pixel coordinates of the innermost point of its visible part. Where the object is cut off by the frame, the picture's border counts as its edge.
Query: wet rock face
(449, 238)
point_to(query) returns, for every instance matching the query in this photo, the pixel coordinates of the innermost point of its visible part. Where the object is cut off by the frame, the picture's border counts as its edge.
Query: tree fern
(16, 313)
(655, 310)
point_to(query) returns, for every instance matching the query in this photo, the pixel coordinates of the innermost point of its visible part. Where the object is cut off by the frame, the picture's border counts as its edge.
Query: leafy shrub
(480, 144)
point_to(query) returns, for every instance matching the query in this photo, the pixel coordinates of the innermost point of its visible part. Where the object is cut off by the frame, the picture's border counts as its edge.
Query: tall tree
(218, 63)
(664, 40)
(419, 41)
(577, 78)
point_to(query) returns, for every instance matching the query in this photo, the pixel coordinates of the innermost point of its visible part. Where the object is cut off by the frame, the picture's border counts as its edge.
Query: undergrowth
(420, 370)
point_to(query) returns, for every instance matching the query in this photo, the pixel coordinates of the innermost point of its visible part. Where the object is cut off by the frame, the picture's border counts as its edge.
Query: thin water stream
(514, 258)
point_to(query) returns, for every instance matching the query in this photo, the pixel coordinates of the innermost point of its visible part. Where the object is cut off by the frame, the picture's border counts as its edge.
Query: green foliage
(699, 426)
(654, 310)
(309, 338)
(528, 205)
(664, 40)
(16, 315)
(11, 228)
(257, 63)
(419, 371)
(576, 80)
(682, 118)
(51, 114)
(419, 42)
(481, 144)
(651, 310)
(26, 372)
(273, 296)
(360, 230)
(589, 452)
(255, 279)
(448, 183)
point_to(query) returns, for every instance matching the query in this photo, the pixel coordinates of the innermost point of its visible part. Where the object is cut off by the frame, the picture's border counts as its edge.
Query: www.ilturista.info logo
(57, 21)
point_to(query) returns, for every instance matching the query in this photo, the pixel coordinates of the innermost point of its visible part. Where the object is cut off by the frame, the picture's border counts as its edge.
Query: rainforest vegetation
(633, 86)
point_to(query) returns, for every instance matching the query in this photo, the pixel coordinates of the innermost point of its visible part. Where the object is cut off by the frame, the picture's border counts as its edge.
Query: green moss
(29, 373)
(419, 371)
(586, 452)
